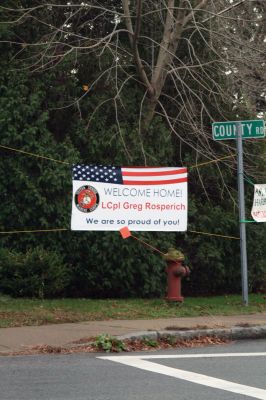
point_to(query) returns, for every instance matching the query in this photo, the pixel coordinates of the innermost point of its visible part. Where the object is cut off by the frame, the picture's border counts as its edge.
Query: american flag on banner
(130, 175)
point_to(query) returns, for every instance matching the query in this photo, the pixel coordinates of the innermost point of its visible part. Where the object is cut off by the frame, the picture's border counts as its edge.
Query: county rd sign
(228, 130)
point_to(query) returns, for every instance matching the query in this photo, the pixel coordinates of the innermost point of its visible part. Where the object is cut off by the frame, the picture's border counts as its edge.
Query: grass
(21, 312)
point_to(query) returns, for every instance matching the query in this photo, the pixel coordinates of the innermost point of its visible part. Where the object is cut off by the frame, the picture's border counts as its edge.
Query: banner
(142, 198)
(258, 211)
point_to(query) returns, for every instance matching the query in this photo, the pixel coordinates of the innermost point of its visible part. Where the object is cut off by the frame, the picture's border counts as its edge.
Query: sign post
(240, 130)
(242, 225)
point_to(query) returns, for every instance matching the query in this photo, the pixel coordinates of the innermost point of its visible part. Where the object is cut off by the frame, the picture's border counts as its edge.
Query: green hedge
(37, 273)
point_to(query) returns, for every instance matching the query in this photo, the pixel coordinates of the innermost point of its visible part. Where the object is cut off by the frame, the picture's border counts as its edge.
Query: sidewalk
(245, 326)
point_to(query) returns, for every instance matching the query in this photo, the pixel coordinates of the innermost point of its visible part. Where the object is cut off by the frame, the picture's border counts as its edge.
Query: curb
(234, 333)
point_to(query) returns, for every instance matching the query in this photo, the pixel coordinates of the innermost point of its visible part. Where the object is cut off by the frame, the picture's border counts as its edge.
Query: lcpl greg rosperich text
(110, 205)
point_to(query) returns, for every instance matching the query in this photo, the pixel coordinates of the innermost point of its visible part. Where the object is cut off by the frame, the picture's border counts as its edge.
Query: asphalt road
(229, 372)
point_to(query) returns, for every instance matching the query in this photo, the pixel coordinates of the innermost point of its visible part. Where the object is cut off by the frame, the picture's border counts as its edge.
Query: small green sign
(228, 130)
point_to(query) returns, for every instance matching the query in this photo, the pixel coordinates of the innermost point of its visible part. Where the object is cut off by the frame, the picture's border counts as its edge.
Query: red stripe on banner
(157, 173)
(155, 182)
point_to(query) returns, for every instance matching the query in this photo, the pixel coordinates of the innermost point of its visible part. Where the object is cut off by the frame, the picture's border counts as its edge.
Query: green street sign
(228, 130)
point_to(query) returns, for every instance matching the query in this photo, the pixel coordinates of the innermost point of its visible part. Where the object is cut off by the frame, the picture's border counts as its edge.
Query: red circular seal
(87, 199)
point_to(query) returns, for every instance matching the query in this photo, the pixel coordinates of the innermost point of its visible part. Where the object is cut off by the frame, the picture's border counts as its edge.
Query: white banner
(144, 199)
(258, 211)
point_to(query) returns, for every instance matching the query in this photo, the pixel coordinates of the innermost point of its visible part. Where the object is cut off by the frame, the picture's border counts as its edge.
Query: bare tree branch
(190, 60)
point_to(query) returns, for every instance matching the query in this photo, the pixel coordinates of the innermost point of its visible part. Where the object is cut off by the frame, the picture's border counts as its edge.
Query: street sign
(240, 130)
(259, 203)
(228, 130)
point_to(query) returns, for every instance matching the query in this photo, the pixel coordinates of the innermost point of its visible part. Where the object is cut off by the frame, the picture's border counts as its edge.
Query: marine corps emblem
(87, 199)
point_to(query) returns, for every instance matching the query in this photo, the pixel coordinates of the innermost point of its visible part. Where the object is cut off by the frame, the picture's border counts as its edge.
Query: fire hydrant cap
(174, 255)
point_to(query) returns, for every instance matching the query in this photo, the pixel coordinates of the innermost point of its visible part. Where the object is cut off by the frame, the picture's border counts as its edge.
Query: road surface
(229, 372)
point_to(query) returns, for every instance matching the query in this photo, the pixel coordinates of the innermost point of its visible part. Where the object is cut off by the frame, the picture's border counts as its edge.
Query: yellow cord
(35, 231)
(34, 155)
(212, 161)
(64, 229)
(64, 162)
(214, 234)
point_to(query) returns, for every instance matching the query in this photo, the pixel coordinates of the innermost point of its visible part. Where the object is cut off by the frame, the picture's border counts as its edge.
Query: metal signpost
(242, 217)
(240, 130)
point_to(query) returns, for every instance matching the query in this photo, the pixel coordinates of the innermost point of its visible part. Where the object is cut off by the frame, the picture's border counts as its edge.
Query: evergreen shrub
(37, 273)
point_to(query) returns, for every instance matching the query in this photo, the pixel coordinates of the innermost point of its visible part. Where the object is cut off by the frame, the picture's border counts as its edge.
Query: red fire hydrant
(175, 272)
